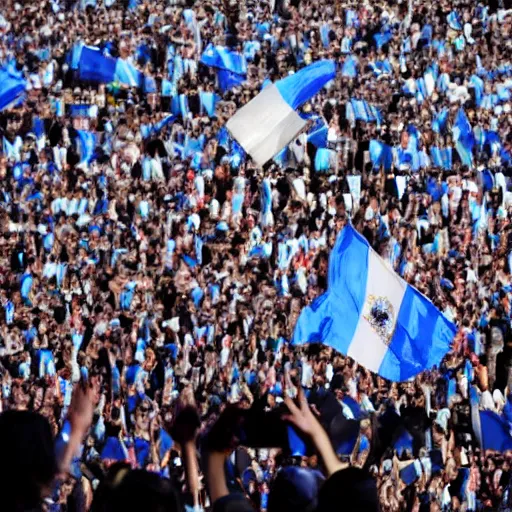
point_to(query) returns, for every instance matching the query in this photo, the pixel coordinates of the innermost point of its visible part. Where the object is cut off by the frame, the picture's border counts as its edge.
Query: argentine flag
(269, 122)
(373, 316)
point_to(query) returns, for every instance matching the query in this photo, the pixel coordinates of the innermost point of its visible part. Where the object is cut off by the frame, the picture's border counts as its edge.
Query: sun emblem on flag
(380, 314)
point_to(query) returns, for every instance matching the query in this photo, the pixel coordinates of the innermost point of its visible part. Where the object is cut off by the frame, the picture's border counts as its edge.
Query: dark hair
(353, 487)
(126, 490)
(28, 459)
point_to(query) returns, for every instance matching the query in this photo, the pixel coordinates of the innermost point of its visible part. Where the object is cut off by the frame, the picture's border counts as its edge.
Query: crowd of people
(150, 289)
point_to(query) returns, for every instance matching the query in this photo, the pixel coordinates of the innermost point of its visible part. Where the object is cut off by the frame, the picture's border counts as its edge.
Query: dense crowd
(157, 280)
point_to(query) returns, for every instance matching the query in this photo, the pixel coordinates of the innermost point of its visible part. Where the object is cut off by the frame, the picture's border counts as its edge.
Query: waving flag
(269, 122)
(349, 68)
(95, 67)
(86, 145)
(154, 129)
(491, 430)
(463, 137)
(381, 154)
(362, 111)
(454, 21)
(382, 38)
(231, 66)
(440, 121)
(373, 316)
(127, 73)
(12, 87)
(317, 134)
(208, 102)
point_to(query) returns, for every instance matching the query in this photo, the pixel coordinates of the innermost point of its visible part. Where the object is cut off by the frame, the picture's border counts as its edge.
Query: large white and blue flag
(269, 122)
(373, 316)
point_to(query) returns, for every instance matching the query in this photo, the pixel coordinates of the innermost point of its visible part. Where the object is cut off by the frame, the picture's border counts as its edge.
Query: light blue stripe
(332, 319)
(422, 337)
(298, 88)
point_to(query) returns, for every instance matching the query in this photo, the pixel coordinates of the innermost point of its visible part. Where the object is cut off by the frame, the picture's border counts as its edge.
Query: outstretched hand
(303, 418)
(301, 415)
(83, 403)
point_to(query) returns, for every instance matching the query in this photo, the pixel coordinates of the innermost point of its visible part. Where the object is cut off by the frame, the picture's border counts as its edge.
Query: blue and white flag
(373, 316)
(440, 121)
(382, 38)
(491, 430)
(208, 102)
(361, 110)
(154, 129)
(86, 145)
(381, 154)
(324, 35)
(227, 80)
(463, 137)
(324, 159)
(454, 20)
(251, 48)
(231, 66)
(317, 134)
(9, 312)
(269, 122)
(95, 67)
(12, 87)
(349, 68)
(78, 110)
(127, 73)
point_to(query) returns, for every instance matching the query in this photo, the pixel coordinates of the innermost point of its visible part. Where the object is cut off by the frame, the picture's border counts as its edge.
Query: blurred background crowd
(148, 264)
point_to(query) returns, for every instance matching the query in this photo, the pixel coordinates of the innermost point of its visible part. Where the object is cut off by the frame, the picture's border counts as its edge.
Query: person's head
(294, 490)
(28, 459)
(352, 487)
(127, 490)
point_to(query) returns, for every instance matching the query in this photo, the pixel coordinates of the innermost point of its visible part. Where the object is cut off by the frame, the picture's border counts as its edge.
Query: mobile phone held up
(260, 429)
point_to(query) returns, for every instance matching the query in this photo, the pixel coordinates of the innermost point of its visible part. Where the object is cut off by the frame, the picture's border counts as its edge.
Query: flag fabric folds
(86, 145)
(463, 137)
(361, 110)
(231, 66)
(127, 73)
(381, 154)
(12, 87)
(95, 67)
(228, 79)
(349, 68)
(208, 102)
(298, 88)
(317, 134)
(491, 430)
(223, 58)
(269, 122)
(373, 316)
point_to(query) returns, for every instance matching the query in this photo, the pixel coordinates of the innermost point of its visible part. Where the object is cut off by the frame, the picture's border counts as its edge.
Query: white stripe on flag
(265, 125)
(367, 347)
